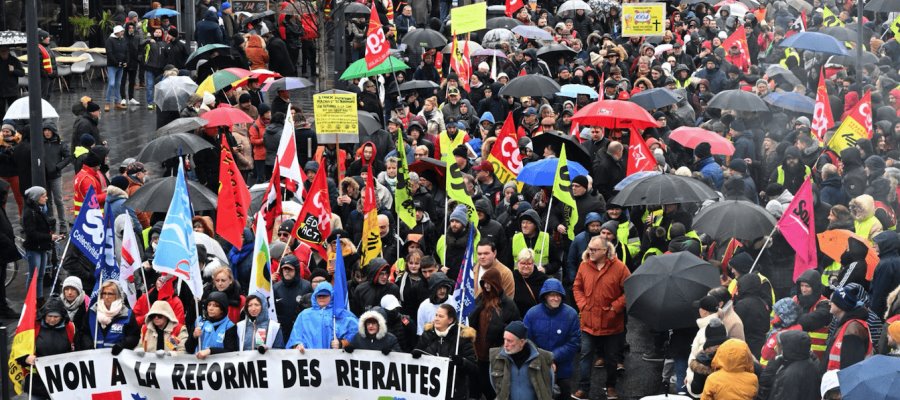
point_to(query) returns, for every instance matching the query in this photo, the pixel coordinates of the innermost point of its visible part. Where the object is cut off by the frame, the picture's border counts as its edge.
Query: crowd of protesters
(549, 310)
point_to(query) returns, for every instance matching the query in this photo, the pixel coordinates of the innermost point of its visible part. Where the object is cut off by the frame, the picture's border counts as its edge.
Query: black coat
(432, 344)
(412, 293)
(9, 80)
(85, 124)
(607, 172)
(8, 252)
(528, 289)
(287, 301)
(208, 30)
(116, 51)
(279, 58)
(37, 226)
(753, 312)
(797, 377)
(56, 157)
(369, 293)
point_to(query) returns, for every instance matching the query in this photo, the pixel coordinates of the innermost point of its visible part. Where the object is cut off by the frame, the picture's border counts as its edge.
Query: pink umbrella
(690, 137)
(614, 114)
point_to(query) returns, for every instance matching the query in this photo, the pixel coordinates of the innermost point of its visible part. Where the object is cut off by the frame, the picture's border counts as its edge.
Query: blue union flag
(465, 283)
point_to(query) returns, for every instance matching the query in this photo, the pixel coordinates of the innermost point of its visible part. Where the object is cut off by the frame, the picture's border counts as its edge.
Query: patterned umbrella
(223, 79)
(12, 38)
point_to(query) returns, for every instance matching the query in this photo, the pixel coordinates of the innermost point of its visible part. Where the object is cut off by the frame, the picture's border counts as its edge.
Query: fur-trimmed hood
(866, 205)
(376, 315)
(467, 332)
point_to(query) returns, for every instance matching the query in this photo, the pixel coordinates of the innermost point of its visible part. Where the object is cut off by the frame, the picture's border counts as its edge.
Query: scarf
(72, 308)
(105, 315)
(444, 333)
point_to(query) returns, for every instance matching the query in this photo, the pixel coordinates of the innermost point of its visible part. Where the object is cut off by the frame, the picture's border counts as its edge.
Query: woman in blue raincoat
(318, 328)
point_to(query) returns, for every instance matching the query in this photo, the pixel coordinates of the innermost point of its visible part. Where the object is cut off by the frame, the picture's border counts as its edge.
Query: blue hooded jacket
(315, 327)
(711, 170)
(557, 331)
(887, 273)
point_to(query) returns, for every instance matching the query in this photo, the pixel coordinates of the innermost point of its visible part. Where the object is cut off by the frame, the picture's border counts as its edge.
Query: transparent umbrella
(172, 93)
(496, 37)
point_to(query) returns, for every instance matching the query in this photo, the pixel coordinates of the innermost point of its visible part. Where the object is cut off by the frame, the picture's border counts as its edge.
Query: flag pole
(31, 381)
(59, 267)
(761, 250)
(99, 299)
(146, 290)
(544, 238)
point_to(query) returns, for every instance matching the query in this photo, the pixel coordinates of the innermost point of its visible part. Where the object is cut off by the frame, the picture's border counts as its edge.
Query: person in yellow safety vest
(609, 231)
(740, 265)
(682, 240)
(533, 238)
(792, 172)
(627, 232)
(48, 63)
(815, 309)
(657, 243)
(865, 224)
(851, 342)
(791, 59)
(452, 137)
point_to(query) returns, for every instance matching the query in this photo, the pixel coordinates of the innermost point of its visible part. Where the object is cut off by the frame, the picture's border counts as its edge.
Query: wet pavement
(127, 131)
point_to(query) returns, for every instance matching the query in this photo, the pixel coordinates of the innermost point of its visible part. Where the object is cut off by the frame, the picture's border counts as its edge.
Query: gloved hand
(456, 360)
(160, 353)
(261, 349)
(349, 349)
(139, 352)
(386, 351)
(116, 349)
(417, 354)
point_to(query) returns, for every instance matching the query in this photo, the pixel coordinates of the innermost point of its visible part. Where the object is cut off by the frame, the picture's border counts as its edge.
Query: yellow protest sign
(468, 18)
(336, 115)
(643, 19)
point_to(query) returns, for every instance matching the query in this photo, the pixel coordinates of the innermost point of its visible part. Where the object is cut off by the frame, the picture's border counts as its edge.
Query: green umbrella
(358, 69)
(201, 53)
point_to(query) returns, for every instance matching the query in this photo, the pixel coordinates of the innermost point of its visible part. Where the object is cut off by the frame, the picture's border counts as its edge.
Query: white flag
(129, 261)
(287, 153)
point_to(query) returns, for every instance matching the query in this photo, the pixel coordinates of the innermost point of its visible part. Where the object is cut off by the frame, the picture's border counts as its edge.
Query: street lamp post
(34, 95)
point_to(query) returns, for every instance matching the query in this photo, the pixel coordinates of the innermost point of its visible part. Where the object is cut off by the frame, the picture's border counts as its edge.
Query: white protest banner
(278, 374)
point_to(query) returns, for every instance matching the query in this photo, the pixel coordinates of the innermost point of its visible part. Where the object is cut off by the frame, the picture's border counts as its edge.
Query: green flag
(403, 199)
(562, 190)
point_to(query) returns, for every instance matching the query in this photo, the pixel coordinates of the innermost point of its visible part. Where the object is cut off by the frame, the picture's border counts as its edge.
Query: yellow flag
(403, 198)
(829, 19)
(456, 191)
(857, 125)
(371, 239)
(562, 191)
(895, 26)
(23, 341)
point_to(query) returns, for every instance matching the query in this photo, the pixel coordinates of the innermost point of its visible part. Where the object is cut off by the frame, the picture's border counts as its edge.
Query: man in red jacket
(89, 176)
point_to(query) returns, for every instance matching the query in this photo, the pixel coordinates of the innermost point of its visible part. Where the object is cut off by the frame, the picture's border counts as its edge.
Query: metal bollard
(4, 368)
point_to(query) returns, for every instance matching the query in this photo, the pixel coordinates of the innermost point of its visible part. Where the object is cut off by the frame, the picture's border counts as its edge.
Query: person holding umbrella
(600, 296)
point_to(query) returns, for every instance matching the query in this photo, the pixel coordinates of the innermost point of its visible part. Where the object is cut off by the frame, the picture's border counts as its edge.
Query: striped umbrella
(228, 77)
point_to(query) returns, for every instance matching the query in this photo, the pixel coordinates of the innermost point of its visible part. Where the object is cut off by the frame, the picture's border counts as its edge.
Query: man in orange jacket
(89, 176)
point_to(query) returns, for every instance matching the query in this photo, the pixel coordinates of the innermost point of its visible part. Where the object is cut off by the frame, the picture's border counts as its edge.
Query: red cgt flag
(234, 199)
(823, 120)
(640, 158)
(738, 38)
(512, 6)
(313, 224)
(377, 47)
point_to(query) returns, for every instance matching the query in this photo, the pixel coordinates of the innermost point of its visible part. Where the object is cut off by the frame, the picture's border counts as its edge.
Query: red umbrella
(226, 116)
(262, 75)
(690, 137)
(614, 114)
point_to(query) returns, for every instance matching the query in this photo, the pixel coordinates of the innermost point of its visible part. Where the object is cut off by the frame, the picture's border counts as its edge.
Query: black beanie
(703, 150)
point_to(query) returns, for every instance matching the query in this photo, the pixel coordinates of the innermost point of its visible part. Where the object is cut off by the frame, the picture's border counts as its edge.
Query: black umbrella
(738, 100)
(883, 5)
(171, 145)
(530, 85)
(556, 140)
(739, 219)
(426, 38)
(663, 189)
(206, 52)
(258, 16)
(417, 85)
(502, 22)
(182, 125)
(357, 9)
(655, 98)
(661, 292)
(12, 38)
(156, 195)
(554, 51)
(867, 58)
(840, 33)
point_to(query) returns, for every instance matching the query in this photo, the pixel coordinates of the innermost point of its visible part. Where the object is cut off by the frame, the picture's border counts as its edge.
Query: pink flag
(798, 225)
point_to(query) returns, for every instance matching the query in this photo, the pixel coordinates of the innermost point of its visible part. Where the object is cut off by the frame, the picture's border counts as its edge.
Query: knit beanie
(581, 180)
(787, 311)
(611, 226)
(845, 300)
(73, 282)
(715, 333)
(741, 262)
(119, 181)
(460, 214)
(86, 140)
(34, 193)
(517, 328)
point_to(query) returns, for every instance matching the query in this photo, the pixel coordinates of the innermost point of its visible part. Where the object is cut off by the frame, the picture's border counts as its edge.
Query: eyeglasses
(284, 234)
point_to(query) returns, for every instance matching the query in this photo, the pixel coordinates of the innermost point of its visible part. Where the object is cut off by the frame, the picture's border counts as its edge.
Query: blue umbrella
(633, 177)
(542, 173)
(791, 101)
(532, 32)
(875, 378)
(815, 41)
(159, 13)
(572, 90)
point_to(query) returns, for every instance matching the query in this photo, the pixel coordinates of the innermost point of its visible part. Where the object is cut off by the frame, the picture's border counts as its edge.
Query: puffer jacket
(271, 138)
(887, 273)
(56, 155)
(316, 326)
(256, 52)
(555, 330)
(733, 377)
(174, 334)
(381, 340)
(370, 292)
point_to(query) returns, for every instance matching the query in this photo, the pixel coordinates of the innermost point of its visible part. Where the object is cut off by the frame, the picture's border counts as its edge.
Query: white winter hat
(73, 282)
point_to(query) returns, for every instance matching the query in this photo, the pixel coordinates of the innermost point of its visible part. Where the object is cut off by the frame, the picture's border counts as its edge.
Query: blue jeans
(37, 263)
(681, 366)
(150, 77)
(115, 80)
